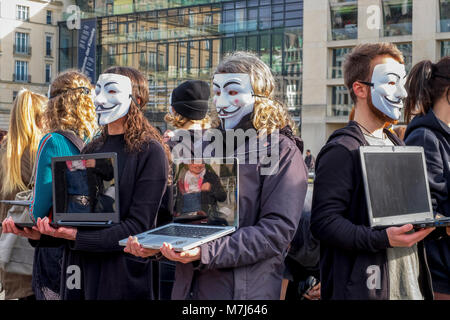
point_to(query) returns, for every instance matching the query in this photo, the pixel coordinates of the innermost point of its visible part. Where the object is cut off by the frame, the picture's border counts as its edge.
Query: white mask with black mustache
(388, 88)
(113, 94)
(233, 97)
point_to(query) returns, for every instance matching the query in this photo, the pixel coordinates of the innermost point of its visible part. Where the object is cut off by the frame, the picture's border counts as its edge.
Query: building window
(341, 102)
(406, 49)
(344, 19)
(48, 46)
(48, 73)
(111, 55)
(21, 71)
(397, 17)
(445, 49)
(152, 60)
(23, 13)
(109, 7)
(112, 26)
(49, 17)
(22, 43)
(444, 10)
(338, 58)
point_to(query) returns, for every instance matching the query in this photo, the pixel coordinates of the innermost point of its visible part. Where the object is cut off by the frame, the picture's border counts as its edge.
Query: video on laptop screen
(85, 186)
(205, 191)
(397, 184)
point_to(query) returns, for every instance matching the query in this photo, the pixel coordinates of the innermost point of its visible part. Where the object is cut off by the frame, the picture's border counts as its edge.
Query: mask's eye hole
(392, 83)
(112, 91)
(217, 93)
(232, 92)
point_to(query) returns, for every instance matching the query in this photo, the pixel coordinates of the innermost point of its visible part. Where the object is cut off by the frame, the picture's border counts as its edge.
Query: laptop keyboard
(185, 231)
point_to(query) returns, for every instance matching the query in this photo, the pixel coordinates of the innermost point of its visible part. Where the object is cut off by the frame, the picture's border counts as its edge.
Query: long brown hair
(138, 131)
(427, 82)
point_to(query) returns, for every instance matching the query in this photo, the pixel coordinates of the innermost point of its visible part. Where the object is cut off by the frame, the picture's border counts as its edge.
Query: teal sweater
(51, 145)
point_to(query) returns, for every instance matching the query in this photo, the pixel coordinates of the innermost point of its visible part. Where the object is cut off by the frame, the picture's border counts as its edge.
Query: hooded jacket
(248, 264)
(433, 135)
(353, 262)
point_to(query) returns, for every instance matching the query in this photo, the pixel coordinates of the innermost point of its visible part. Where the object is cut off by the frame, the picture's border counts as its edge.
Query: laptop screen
(85, 186)
(206, 191)
(397, 183)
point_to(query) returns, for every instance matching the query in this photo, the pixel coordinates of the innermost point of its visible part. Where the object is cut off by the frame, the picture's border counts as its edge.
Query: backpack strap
(72, 137)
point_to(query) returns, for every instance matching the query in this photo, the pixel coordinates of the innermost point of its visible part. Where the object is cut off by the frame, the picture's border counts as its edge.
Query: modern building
(175, 40)
(28, 48)
(420, 28)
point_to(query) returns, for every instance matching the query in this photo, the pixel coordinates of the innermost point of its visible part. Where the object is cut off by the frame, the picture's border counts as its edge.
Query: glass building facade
(173, 41)
(444, 12)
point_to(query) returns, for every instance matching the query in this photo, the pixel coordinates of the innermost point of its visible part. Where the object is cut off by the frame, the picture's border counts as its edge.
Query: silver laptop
(396, 187)
(206, 206)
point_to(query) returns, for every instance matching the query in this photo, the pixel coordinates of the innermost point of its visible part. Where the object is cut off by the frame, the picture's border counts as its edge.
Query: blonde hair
(24, 132)
(70, 107)
(178, 121)
(269, 114)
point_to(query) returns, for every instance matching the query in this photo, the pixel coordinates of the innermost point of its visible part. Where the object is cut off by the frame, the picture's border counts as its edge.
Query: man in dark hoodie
(428, 100)
(358, 262)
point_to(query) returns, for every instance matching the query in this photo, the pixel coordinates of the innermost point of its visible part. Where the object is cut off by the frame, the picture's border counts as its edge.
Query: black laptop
(396, 187)
(85, 190)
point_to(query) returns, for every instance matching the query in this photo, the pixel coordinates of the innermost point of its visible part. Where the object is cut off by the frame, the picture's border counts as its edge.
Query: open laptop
(85, 190)
(215, 183)
(396, 187)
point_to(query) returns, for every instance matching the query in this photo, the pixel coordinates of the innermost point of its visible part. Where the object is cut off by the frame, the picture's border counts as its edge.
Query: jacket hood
(430, 121)
(352, 129)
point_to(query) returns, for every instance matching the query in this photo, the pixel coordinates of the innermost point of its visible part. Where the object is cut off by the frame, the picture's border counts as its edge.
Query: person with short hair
(358, 262)
(310, 161)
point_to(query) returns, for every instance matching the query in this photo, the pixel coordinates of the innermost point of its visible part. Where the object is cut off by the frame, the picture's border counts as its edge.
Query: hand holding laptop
(183, 256)
(9, 226)
(43, 226)
(400, 236)
(135, 248)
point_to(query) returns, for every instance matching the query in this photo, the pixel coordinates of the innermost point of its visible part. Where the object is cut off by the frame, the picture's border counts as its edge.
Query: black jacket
(434, 136)
(349, 247)
(107, 273)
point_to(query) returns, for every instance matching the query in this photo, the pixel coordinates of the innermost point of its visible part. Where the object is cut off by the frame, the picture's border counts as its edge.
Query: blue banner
(87, 37)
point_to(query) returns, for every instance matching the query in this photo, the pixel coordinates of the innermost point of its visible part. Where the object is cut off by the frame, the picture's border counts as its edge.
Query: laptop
(206, 193)
(396, 187)
(85, 190)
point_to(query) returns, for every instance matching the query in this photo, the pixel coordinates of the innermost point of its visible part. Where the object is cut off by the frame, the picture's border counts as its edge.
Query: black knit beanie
(190, 99)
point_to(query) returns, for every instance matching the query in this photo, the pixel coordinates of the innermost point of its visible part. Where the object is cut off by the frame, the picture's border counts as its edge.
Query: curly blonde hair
(269, 114)
(70, 107)
(178, 121)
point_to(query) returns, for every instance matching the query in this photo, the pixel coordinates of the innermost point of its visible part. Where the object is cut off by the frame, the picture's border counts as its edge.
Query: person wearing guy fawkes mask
(350, 250)
(248, 264)
(106, 272)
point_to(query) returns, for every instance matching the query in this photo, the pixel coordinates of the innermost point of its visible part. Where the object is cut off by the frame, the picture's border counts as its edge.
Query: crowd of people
(294, 241)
